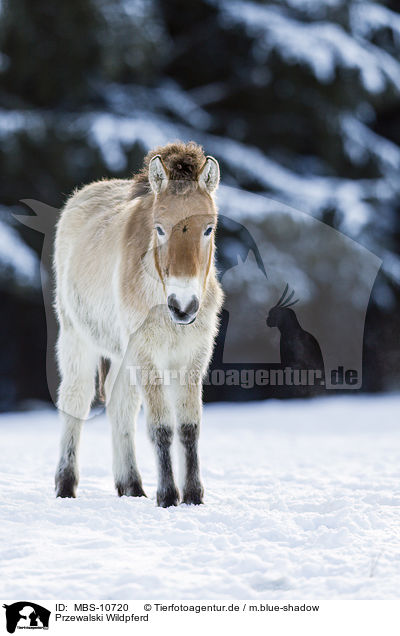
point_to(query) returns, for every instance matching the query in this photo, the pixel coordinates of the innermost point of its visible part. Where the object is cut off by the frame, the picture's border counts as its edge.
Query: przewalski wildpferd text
(136, 284)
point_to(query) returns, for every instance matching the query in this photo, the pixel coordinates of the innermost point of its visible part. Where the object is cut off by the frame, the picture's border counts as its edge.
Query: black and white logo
(26, 615)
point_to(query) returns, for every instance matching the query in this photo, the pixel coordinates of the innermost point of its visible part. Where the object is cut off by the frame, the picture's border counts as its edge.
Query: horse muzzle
(183, 314)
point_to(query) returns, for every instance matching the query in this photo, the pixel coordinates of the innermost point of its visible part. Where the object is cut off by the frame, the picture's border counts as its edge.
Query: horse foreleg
(160, 428)
(188, 408)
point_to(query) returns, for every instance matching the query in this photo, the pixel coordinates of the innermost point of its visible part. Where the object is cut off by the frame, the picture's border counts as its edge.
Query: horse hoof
(168, 498)
(66, 484)
(193, 496)
(132, 489)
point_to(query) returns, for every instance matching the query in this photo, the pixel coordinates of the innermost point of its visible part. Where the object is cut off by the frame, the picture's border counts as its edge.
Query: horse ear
(158, 177)
(209, 175)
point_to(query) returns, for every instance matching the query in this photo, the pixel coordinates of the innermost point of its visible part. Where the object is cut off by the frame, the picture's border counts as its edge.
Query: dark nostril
(193, 306)
(173, 303)
(175, 308)
(171, 300)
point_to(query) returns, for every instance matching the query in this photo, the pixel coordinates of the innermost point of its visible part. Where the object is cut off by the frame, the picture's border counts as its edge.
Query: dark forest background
(299, 100)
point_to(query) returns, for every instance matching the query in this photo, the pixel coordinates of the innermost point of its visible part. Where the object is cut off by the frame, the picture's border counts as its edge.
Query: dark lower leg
(67, 474)
(193, 489)
(167, 492)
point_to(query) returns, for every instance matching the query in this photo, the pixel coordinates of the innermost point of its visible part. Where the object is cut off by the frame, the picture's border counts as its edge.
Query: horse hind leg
(123, 404)
(77, 365)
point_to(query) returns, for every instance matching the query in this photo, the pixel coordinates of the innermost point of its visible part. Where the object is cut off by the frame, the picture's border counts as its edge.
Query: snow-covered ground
(302, 500)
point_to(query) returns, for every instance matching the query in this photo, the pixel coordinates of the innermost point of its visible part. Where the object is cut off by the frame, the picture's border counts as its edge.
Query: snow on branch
(18, 262)
(321, 45)
(360, 142)
(366, 18)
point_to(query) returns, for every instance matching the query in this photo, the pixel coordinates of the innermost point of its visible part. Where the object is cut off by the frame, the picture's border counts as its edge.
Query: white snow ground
(302, 501)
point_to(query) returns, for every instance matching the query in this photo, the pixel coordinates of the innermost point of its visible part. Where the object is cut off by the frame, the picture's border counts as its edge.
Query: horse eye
(160, 231)
(208, 231)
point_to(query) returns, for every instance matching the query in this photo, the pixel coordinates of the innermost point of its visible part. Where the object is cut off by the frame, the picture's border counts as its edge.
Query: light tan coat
(136, 284)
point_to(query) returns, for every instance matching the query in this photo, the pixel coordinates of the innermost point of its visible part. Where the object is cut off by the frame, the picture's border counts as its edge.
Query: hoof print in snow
(168, 498)
(131, 489)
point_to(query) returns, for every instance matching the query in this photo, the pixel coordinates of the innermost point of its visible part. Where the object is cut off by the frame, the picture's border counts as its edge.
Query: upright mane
(182, 161)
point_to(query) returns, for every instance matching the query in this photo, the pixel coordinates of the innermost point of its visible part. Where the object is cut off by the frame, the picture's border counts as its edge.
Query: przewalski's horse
(136, 284)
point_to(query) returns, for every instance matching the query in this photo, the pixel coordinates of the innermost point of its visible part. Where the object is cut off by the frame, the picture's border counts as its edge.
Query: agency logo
(296, 298)
(26, 615)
